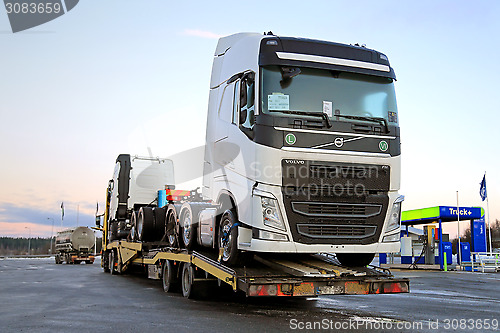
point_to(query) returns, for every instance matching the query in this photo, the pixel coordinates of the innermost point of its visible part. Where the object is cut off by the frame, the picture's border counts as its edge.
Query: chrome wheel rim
(186, 226)
(226, 246)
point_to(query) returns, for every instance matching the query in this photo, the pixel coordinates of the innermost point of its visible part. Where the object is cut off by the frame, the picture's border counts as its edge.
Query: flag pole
(488, 217)
(459, 251)
(62, 214)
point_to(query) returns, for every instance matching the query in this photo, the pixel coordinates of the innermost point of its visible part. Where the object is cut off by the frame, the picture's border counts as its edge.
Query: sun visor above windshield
(286, 51)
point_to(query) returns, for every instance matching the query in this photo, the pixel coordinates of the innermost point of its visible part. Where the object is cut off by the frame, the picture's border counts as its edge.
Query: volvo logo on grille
(339, 142)
(294, 161)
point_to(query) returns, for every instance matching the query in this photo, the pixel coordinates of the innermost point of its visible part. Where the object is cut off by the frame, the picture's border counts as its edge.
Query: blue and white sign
(478, 235)
(466, 213)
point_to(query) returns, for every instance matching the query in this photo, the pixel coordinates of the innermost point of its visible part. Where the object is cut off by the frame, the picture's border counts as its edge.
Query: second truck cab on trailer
(302, 150)
(135, 184)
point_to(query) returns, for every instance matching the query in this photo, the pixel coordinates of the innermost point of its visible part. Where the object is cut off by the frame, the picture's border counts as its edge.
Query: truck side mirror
(98, 221)
(287, 73)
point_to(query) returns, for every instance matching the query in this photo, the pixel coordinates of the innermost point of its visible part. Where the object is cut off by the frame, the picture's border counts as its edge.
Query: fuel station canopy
(443, 213)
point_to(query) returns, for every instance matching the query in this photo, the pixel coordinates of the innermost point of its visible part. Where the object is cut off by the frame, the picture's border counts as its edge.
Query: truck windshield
(333, 92)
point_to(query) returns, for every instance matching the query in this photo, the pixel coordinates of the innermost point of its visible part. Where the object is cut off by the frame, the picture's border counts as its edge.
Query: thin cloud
(27, 229)
(14, 218)
(202, 34)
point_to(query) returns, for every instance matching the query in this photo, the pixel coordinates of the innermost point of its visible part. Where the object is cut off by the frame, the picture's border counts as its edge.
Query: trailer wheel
(169, 276)
(189, 286)
(228, 238)
(355, 259)
(112, 262)
(58, 260)
(171, 226)
(188, 230)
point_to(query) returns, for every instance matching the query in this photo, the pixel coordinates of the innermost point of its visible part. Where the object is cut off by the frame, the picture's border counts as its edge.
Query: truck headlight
(395, 216)
(271, 213)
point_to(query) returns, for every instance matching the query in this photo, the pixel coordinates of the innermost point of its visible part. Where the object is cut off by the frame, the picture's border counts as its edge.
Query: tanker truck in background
(75, 245)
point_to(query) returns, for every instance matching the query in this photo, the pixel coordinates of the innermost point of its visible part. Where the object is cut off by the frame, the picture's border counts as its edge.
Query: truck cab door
(222, 152)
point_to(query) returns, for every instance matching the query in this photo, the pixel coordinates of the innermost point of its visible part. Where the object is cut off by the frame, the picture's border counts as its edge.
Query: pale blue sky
(119, 76)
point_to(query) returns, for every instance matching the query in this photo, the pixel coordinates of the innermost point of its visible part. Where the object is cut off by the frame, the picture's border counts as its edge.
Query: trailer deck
(308, 275)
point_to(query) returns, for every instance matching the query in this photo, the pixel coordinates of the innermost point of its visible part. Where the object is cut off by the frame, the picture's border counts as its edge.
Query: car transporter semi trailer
(301, 174)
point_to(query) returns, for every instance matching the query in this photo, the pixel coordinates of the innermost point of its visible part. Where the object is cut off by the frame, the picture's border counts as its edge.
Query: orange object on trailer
(176, 195)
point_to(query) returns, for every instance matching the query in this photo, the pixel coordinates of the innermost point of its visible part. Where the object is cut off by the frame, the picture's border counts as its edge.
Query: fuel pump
(431, 250)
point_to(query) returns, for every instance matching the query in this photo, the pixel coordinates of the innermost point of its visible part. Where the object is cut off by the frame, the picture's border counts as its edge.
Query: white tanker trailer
(75, 245)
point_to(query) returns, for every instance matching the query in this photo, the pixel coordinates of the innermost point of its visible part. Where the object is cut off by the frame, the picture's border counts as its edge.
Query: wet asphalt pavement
(38, 296)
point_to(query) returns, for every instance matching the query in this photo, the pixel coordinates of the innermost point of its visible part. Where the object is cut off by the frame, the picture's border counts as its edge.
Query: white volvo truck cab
(302, 149)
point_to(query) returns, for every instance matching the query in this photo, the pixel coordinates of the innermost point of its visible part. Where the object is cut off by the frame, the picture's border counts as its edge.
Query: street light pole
(51, 235)
(29, 240)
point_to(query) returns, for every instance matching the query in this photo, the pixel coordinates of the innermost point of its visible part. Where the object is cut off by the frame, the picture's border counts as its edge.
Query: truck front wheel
(355, 259)
(228, 238)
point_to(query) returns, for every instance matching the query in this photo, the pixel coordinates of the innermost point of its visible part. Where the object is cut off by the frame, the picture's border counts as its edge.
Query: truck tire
(187, 227)
(122, 230)
(113, 226)
(169, 276)
(105, 262)
(171, 227)
(159, 228)
(190, 288)
(355, 259)
(133, 229)
(145, 224)
(228, 238)
(112, 262)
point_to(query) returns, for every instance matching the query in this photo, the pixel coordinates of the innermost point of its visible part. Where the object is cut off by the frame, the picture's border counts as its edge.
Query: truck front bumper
(260, 245)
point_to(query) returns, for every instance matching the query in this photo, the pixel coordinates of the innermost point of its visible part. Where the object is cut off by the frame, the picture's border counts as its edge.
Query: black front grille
(330, 209)
(338, 178)
(336, 231)
(334, 202)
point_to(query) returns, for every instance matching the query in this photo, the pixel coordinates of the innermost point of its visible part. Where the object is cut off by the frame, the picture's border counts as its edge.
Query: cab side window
(247, 103)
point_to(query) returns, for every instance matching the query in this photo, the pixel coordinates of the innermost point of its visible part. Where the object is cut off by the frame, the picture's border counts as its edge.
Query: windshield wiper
(379, 120)
(305, 113)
